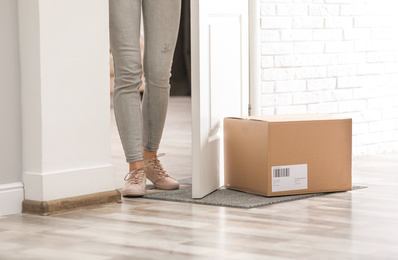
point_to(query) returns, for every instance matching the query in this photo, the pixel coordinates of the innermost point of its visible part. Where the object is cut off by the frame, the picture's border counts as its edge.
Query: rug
(229, 198)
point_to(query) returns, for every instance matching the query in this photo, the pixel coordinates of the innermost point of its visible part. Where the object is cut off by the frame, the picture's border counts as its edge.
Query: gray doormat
(228, 198)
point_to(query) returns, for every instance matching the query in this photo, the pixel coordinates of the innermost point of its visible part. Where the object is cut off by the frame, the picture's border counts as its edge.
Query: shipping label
(289, 177)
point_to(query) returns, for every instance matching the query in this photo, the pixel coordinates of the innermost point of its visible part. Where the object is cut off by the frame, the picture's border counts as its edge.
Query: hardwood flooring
(361, 224)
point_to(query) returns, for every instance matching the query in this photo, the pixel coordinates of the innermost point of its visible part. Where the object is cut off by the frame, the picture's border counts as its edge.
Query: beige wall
(10, 104)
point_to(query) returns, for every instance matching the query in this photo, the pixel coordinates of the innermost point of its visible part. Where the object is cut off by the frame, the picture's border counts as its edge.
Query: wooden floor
(362, 224)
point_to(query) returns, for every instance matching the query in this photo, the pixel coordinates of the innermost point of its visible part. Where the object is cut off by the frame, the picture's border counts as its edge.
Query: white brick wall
(336, 57)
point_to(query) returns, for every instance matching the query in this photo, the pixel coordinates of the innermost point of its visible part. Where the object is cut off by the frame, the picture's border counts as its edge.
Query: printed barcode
(281, 172)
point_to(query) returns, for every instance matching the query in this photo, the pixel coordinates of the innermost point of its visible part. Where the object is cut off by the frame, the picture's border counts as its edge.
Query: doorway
(176, 139)
(223, 27)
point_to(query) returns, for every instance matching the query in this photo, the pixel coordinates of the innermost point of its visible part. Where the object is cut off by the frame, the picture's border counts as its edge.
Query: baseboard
(69, 183)
(55, 206)
(11, 198)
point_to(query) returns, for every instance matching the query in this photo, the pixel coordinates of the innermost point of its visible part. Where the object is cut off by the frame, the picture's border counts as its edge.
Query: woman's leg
(125, 18)
(161, 24)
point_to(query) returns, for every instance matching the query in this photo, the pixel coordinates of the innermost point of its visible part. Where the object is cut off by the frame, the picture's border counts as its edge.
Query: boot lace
(155, 163)
(136, 177)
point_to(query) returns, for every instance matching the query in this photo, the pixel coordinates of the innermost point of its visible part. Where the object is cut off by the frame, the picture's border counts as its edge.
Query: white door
(220, 83)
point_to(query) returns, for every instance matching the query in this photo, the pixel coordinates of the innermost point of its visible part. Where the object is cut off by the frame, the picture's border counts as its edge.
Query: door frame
(254, 58)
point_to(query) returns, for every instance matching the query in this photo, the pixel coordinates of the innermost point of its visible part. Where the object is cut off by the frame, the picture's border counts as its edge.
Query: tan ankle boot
(135, 183)
(158, 176)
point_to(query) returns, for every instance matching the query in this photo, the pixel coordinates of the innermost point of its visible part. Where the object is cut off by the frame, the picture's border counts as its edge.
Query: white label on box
(289, 177)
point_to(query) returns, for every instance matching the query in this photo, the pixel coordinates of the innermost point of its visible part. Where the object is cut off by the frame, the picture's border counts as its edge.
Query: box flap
(294, 117)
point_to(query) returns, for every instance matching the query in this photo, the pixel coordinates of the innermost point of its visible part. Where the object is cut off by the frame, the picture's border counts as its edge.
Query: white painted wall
(10, 91)
(336, 57)
(11, 190)
(54, 100)
(64, 48)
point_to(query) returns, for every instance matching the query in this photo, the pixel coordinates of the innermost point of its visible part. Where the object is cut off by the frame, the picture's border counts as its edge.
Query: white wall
(336, 57)
(10, 104)
(11, 190)
(64, 49)
(54, 101)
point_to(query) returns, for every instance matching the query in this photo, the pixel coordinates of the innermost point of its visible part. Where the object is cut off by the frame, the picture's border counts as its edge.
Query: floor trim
(46, 208)
(11, 197)
(67, 183)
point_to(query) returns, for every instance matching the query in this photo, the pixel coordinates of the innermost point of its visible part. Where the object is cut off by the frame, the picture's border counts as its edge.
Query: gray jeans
(142, 129)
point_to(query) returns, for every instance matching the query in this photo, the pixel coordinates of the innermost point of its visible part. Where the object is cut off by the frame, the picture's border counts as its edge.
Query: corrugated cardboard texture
(253, 146)
(245, 146)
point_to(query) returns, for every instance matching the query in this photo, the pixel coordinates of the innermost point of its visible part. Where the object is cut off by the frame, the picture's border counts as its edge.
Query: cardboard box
(288, 154)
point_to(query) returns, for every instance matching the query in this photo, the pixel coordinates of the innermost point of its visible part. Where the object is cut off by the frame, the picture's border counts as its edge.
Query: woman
(141, 130)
